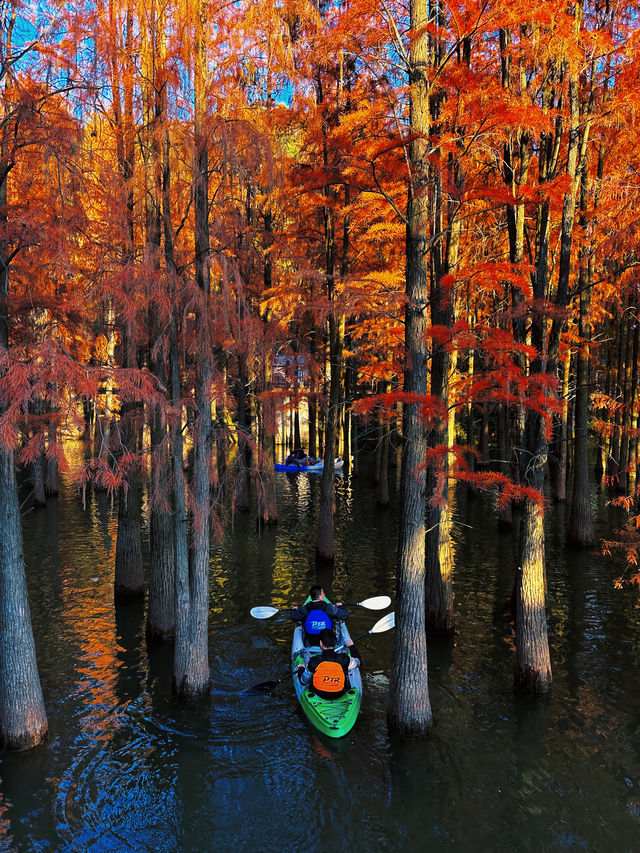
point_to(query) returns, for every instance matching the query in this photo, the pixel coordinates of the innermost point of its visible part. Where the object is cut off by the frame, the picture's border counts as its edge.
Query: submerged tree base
(533, 681)
(28, 738)
(190, 693)
(327, 560)
(418, 726)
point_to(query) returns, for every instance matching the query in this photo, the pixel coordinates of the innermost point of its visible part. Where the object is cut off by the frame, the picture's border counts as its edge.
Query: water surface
(127, 768)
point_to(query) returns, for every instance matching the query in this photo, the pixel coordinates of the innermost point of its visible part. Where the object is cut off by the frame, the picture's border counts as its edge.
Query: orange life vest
(329, 677)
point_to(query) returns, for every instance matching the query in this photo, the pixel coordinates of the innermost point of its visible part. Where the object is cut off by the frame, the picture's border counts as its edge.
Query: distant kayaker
(328, 672)
(317, 614)
(299, 457)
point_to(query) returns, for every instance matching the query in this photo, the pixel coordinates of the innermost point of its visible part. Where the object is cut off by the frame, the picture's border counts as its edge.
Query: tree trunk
(627, 414)
(409, 707)
(243, 458)
(191, 660)
(505, 513)
(580, 530)
(613, 459)
(533, 664)
(161, 605)
(325, 543)
(23, 719)
(51, 477)
(563, 434)
(382, 496)
(313, 423)
(37, 475)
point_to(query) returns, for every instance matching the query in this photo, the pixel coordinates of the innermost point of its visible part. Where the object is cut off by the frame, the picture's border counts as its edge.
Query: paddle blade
(264, 612)
(378, 602)
(263, 687)
(385, 624)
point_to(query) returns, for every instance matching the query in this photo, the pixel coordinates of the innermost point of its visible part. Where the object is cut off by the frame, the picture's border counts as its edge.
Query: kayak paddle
(385, 624)
(267, 686)
(378, 602)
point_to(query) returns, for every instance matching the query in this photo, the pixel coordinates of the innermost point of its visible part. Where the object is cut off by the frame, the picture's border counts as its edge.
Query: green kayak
(333, 717)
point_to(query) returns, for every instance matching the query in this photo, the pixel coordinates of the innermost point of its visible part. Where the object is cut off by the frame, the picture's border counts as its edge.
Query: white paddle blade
(378, 602)
(385, 624)
(264, 612)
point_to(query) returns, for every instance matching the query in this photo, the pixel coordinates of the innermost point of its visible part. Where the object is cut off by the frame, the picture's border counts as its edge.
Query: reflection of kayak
(316, 468)
(332, 717)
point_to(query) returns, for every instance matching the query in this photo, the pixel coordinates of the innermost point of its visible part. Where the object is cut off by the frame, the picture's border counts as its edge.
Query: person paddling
(318, 614)
(328, 672)
(299, 457)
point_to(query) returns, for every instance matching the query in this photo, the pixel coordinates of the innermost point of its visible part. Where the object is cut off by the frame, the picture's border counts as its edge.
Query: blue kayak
(316, 468)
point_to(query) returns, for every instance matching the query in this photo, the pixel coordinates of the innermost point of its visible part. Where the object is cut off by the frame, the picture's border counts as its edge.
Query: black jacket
(299, 614)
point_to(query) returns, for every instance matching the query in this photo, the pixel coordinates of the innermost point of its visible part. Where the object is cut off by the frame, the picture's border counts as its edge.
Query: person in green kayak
(328, 673)
(318, 614)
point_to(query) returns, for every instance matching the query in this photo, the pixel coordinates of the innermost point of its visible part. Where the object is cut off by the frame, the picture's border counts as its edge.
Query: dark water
(126, 768)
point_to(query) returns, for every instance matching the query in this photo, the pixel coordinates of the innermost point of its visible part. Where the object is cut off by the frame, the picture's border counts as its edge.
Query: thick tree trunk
(161, 605)
(191, 659)
(129, 571)
(439, 571)
(129, 575)
(409, 708)
(161, 608)
(533, 664)
(23, 720)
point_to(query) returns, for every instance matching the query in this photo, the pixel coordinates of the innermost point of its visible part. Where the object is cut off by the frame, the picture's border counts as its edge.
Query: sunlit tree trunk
(444, 256)
(409, 707)
(533, 663)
